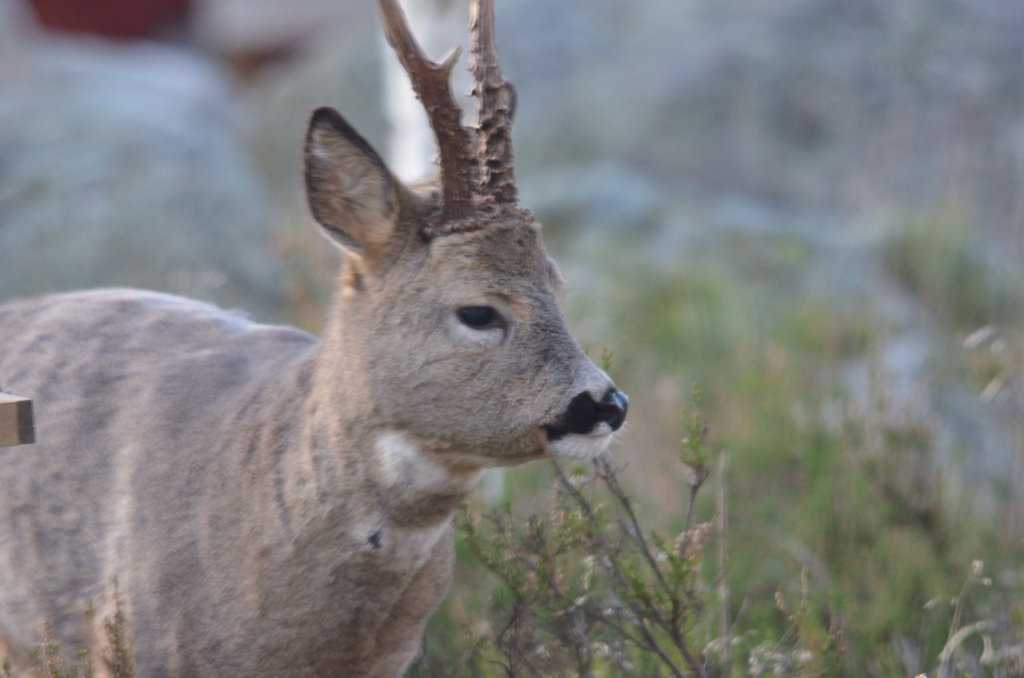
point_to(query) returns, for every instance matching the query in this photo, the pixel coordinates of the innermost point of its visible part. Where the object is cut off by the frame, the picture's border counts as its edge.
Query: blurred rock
(823, 104)
(594, 196)
(119, 166)
(810, 103)
(246, 26)
(340, 70)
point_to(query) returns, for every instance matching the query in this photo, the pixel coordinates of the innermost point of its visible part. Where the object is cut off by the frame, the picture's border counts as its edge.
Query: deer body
(269, 503)
(253, 509)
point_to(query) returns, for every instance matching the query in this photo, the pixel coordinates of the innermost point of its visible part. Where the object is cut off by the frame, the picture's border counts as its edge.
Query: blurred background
(810, 209)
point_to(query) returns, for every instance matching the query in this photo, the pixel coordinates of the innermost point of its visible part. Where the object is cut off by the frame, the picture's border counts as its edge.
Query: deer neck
(355, 475)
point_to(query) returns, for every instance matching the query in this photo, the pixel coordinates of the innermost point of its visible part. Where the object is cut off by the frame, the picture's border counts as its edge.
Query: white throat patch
(404, 466)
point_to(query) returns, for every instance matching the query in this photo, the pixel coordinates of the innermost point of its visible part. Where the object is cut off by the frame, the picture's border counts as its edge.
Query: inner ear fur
(351, 192)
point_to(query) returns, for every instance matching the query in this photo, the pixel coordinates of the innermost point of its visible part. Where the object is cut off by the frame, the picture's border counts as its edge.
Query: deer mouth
(579, 446)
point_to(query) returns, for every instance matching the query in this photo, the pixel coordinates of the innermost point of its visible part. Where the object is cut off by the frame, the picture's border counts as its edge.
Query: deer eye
(479, 317)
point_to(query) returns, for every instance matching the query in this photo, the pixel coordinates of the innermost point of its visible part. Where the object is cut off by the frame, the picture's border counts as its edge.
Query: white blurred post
(439, 25)
(411, 141)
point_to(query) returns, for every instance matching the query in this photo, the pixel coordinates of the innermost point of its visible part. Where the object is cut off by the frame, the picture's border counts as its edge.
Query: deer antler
(495, 104)
(471, 177)
(431, 82)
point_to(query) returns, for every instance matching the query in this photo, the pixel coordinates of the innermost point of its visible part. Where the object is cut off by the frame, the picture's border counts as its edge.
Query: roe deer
(275, 505)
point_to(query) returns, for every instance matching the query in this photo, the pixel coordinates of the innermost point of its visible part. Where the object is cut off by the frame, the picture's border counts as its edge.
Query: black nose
(584, 414)
(612, 408)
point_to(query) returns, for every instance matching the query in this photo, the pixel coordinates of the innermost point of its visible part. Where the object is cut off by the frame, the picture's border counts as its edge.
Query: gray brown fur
(272, 504)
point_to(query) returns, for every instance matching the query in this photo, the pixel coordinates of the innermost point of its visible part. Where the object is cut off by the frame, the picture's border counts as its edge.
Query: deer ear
(351, 192)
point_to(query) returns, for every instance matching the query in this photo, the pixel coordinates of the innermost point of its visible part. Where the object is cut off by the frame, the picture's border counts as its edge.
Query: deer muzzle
(587, 416)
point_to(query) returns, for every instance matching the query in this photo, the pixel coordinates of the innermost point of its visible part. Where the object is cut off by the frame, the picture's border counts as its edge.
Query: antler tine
(431, 82)
(495, 103)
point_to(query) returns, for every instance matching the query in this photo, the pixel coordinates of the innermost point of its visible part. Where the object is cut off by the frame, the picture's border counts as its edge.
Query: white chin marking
(582, 447)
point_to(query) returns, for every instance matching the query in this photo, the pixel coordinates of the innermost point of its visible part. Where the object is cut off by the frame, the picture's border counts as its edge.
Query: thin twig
(723, 549)
(775, 649)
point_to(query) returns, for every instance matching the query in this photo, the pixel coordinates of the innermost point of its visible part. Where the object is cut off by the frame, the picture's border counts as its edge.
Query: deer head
(449, 316)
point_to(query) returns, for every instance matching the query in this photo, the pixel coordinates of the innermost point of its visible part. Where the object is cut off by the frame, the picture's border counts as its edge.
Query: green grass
(941, 257)
(50, 661)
